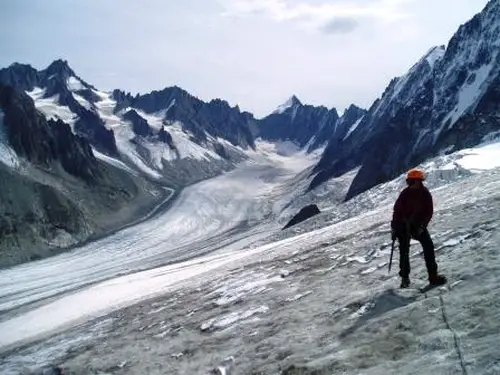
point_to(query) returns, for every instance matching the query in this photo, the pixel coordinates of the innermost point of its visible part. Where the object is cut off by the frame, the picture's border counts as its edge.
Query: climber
(413, 211)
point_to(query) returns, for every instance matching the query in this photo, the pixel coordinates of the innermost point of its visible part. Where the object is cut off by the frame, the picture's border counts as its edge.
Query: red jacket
(415, 206)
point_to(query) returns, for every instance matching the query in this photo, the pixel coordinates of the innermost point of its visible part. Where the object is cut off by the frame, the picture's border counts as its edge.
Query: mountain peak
(354, 108)
(59, 67)
(293, 101)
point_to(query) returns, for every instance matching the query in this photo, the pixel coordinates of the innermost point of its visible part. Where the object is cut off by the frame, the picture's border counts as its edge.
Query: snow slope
(186, 149)
(311, 300)
(51, 108)
(74, 84)
(471, 92)
(158, 151)
(115, 162)
(481, 158)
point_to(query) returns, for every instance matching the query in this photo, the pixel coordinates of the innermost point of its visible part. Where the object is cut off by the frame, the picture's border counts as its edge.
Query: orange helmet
(415, 174)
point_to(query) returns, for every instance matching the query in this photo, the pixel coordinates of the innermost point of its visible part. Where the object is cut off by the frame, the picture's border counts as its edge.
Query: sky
(252, 53)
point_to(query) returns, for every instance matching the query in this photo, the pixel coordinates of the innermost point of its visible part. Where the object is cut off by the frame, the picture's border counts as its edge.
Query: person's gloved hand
(393, 234)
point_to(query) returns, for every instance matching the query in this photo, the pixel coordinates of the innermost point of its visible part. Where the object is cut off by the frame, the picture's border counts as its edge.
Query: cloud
(340, 16)
(342, 25)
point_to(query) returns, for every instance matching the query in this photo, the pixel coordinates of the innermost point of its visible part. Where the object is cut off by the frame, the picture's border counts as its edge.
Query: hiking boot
(437, 280)
(405, 282)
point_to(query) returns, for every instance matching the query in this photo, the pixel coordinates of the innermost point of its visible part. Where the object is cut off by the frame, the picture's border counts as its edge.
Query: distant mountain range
(169, 133)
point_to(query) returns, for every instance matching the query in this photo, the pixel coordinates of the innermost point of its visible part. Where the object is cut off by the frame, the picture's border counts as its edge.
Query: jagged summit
(60, 67)
(291, 102)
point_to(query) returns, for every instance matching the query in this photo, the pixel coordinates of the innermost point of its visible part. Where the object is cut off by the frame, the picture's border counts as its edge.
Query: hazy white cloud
(330, 17)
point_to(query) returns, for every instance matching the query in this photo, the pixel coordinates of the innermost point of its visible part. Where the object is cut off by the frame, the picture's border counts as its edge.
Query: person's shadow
(381, 304)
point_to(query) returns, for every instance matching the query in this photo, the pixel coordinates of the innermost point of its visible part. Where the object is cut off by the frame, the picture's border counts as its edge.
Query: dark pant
(404, 252)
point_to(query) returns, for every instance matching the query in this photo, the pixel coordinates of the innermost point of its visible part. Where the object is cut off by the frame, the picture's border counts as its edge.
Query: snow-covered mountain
(170, 134)
(447, 101)
(166, 134)
(306, 125)
(54, 193)
(60, 94)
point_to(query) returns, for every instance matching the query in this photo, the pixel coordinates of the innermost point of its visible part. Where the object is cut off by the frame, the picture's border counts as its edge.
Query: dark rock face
(54, 80)
(74, 152)
(335, 131)
(297, 122)
(139, 125)
(21, 76)
(123, 99)
(27, 129)
(306, 125)
(164, 136)
(42, 142)
(304, 214)
(58, 210)
(91, 127)
(426, 112)
(221, 151)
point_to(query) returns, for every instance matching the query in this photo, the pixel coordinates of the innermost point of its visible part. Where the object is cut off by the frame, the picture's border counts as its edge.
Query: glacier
(214, 277)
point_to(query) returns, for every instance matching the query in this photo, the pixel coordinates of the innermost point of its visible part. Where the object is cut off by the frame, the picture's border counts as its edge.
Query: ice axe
(392, 252)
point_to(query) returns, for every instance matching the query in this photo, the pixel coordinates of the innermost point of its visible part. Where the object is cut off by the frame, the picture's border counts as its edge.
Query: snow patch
(74, 84)
(155, 120)
(36, 93)
(481, 158)
(7, 154)
(353, 127)
(129, 151)
(357, 259)
(82, 101)
(230, 319)
(470, 93)
(187, 148)
(286, 105)
(123, 133)
(434, 55)
(115, 162)
(105, 107)
(236, 289)
(298, 296)
(449, 167)
(370, 270)
(51, 108)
